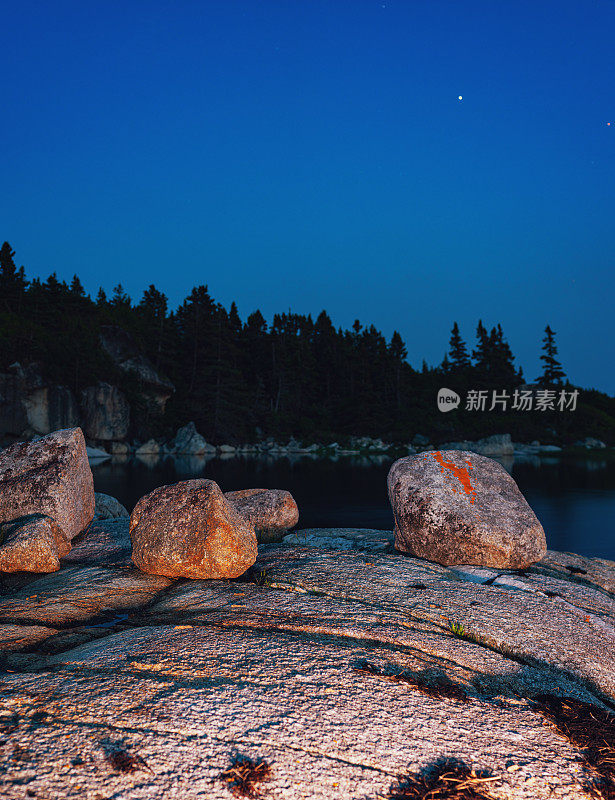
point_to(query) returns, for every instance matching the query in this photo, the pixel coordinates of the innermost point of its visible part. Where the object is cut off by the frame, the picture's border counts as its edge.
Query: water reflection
(573, 498)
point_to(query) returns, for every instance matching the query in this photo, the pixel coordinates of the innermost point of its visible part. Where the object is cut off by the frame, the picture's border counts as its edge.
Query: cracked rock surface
(327, 664)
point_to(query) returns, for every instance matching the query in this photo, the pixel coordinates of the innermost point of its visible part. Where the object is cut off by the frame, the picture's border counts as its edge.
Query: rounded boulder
(458, 507)
(189, 530)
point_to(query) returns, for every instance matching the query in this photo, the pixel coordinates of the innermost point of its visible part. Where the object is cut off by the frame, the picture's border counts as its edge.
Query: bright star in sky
(460, 97)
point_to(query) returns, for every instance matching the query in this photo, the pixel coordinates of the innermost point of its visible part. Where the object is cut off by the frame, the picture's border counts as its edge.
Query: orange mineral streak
(461, 473)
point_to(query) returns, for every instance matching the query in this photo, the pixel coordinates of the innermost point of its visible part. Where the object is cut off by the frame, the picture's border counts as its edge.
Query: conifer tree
(482, 352)
(501, 360)
(458, 353)
(398, 353)
(119, 298)
(12, 280)
(552, 369)
(152, 310)
(76, 287)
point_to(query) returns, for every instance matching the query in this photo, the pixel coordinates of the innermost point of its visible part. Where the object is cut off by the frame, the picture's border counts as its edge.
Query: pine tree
(501, 360)
(552, 368)
(152, 310)
(12, 280)
(458, 353)
(76, 287)
(119, 298)
(234, 319)
(482, 352)
(398, 354)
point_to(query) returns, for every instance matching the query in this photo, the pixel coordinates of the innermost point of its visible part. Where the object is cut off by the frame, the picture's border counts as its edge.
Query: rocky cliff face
(106, 413)
(30, 404)
(118, 344)
(13, 417)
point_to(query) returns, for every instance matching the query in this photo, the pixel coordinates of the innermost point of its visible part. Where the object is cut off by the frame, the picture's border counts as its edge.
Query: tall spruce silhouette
(552, 372)
(458, 352)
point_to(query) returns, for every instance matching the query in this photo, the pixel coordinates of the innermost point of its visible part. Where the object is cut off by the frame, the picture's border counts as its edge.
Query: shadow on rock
(245, 774)
(445, 779)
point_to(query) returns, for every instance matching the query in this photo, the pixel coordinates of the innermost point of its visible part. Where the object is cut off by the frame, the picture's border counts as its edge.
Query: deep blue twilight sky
(314, 154)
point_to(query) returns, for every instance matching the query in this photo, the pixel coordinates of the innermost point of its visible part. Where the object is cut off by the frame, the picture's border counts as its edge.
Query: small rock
(108, 507)
(119, 448)
(500, 444)
(96, 453)
(49, 476)
(150, 448)
(32, 544)
(266, 509)
(189, 530)
(189, 442)
(456, 507)
(227, 448)
(594, 444)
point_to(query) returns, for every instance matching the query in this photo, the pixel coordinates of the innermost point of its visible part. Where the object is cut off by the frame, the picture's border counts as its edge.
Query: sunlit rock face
(32, 544)
(50, 476)
(106, 413)
(189, 530)
(457, 507)
(266, 509)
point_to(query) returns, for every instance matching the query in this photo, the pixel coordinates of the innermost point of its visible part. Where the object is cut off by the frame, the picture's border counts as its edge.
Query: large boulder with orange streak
(268, 510)
(457, 507)
(189, 530)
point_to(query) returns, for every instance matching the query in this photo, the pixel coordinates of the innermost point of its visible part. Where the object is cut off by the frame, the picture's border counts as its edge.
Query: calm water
(574, 499)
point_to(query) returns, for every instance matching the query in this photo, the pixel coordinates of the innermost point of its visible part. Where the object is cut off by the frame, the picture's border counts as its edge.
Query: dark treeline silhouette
(299, 376)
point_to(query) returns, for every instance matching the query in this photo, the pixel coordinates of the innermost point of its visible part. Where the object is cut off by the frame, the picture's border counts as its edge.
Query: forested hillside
(241, 380)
